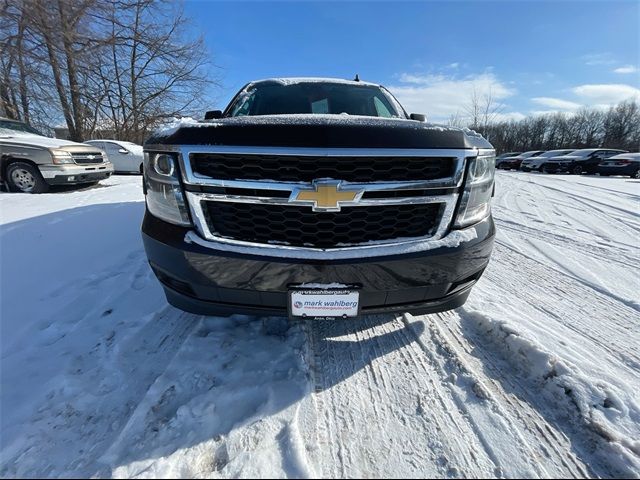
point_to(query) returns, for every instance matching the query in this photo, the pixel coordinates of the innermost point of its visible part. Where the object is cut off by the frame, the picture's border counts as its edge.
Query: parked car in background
(581, 161)
(504, 156)
(15, 125)
(511, 163)
(622, 164)
(127, 157)
(535, 162)
(31, 163)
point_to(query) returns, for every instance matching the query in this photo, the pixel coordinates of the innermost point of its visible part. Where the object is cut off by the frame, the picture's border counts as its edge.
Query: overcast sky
(533, 56)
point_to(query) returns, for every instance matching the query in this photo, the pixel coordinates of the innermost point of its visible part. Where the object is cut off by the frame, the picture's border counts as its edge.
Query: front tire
(577, 170)
(25, 178)
(636, 175)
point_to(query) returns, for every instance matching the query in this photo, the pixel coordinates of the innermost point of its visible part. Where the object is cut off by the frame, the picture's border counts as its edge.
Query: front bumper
(509, 165)
(556, 167)
(69, 174)
(206, 281)
(625, 170)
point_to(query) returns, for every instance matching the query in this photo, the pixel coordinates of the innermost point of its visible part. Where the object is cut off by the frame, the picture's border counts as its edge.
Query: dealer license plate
(324, 304)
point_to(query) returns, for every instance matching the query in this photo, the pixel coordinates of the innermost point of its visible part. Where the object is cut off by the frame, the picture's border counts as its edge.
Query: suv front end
(238, 217)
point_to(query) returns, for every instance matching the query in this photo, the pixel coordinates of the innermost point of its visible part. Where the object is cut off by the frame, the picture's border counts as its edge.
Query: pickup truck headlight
(163, 194)
(61, 156)
(475, 204)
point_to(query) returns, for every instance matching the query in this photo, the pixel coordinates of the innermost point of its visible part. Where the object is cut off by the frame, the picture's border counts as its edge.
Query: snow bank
(602, 408)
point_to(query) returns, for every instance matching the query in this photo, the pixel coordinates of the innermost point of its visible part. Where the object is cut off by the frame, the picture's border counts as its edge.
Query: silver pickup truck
(31, 162)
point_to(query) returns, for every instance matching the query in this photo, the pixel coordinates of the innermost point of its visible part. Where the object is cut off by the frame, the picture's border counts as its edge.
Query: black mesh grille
(286, 168)
(301, 226)
(87, 158)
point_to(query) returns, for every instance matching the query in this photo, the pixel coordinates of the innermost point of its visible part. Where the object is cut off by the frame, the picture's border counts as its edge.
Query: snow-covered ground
(538, 375)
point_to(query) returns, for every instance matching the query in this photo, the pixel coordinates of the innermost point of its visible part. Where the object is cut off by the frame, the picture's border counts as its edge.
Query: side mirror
(123, 151)
(213, 114)
(418, 117)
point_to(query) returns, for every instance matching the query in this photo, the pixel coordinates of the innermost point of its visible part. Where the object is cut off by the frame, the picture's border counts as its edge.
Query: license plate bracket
(323, 303)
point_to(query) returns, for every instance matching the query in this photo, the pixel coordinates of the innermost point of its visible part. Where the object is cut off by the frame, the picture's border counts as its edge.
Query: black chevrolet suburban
(317, 198)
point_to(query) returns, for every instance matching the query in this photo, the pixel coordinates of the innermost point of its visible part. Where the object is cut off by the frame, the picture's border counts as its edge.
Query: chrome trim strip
(192, 178)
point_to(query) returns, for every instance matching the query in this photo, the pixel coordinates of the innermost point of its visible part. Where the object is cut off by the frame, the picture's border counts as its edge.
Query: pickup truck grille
(86, 158)
(300, 226)
(294, 168)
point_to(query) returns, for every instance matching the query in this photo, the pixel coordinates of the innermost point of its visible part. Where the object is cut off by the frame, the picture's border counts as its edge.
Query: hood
(320, 131)
(37, 141)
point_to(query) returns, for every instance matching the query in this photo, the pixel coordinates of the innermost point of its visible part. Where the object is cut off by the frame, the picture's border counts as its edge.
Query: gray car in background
(126, 156)
(536, 163)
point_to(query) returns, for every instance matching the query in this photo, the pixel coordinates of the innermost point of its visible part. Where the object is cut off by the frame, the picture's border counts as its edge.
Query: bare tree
(120, 65)
(474, 109)
(154, 69)
(455, 120)
(482, 110)
(619, 127)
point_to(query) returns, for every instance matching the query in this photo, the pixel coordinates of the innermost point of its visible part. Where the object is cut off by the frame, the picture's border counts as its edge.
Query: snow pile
(228, 400)
(604, 409)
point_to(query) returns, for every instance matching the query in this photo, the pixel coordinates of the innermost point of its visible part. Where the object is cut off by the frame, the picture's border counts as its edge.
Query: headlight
(163, 194)
(475, 204)
(61, 156)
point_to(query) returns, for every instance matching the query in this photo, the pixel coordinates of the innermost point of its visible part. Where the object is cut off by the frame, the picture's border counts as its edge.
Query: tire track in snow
(544, 440)
(559, 392)
(572, 243)
(553, 288)
(399, 406)
(412, 404)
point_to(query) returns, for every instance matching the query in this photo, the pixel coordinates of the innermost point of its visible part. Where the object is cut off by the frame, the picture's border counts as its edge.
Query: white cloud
(626, 69)
(593, 59)
(556, 103)
(440, 96)
(605, 94)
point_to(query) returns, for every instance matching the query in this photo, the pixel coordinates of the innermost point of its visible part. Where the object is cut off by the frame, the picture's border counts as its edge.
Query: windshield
(314, 98)
(582, 153)
(18, 127)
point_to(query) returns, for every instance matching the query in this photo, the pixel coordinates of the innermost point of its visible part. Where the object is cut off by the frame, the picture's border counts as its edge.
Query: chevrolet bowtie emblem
(325, 196)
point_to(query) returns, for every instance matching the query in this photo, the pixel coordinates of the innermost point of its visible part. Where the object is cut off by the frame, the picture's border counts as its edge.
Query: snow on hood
(314, 119)
(297, 80)
(172, 127)
(37, 140)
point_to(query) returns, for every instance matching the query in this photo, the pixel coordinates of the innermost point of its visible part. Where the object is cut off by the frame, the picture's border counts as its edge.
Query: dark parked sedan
(580, 161)
(627, 164)
(504, 156)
